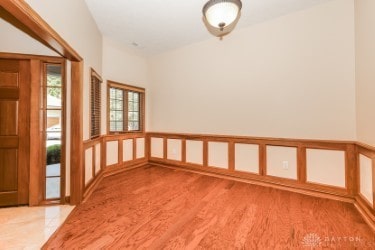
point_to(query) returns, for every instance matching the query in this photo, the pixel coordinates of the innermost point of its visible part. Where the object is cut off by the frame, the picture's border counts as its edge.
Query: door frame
(25, 18)
(36, 154)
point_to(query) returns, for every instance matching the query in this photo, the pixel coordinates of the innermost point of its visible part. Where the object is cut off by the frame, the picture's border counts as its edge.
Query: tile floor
(30, 227)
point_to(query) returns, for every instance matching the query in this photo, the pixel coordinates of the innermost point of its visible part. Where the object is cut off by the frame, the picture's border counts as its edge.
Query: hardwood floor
(161, 208)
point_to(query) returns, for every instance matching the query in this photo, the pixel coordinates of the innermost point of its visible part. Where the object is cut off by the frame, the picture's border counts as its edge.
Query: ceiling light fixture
(221, 13)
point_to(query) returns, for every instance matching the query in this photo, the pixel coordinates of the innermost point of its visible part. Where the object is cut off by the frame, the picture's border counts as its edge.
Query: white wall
(15, 41)
(124, 65)
(365, 69)
(288, 77)
(74, 23)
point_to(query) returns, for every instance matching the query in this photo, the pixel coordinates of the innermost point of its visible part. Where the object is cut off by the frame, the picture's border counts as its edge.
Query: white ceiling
(161, 25)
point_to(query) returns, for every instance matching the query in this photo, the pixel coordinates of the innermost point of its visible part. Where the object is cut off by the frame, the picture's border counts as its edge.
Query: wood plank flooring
(162, 208)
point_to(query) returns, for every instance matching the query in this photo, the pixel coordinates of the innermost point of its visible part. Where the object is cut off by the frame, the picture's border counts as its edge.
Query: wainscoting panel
(112, 153)
(157, 147)
(140, 146)
(365, 174)
(174, 149)
(92, 160)
(282, 162)
(330, 169)
(246, 158)
(218, 154)
(194, 152)
(326, 167)
(88, 165)
(127, 150)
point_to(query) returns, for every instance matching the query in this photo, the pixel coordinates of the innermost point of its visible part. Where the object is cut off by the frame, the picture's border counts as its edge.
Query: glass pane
(119, 126)
(136, 125)
(112, 115)
(119, 94)
(118, 116)
(136, 97)
(52, 187)
(130, 126)
(53, 122)
(54, 98)
(133, 116)
(130, 106)
(119, 105)
(53, 170)
(53, 75)
(112, 126)
(130, 96)
(136, 106)
(112, 93)
(116, 126)
(53, 127)
(133, 126)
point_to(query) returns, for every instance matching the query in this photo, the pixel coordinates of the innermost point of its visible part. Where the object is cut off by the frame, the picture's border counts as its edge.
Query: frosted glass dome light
(221, 13)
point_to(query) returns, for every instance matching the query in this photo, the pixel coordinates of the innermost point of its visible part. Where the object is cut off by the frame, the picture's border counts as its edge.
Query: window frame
(44, 108)
(126, 88)
(94, 74)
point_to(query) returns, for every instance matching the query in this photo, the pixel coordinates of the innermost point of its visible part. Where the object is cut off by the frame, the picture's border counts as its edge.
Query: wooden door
(14, 131)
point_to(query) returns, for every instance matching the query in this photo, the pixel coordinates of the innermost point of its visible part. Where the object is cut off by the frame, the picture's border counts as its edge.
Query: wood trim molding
(231, 156)
(23, 13)
(95, 74)
(365, 210)
(351, 169)
(92, 142)
(183, 150)
(165, 148)
(76, 144)
(311, 143)
(205, 153)
(134, 143)
(121, 150)
(49, 59)
(35, 190)
(301, 164)
(91, 186)
(127, 86)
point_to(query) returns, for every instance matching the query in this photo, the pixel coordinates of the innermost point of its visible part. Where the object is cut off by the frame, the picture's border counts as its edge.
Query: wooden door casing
(14, 131)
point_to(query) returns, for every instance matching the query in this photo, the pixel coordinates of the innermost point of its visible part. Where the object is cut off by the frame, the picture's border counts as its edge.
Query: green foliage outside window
(53, 154)
(54, 80)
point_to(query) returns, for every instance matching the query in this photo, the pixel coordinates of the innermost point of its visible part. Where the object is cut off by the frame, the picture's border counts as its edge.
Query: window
(126, 108)
(95, 106)
(53, 116)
